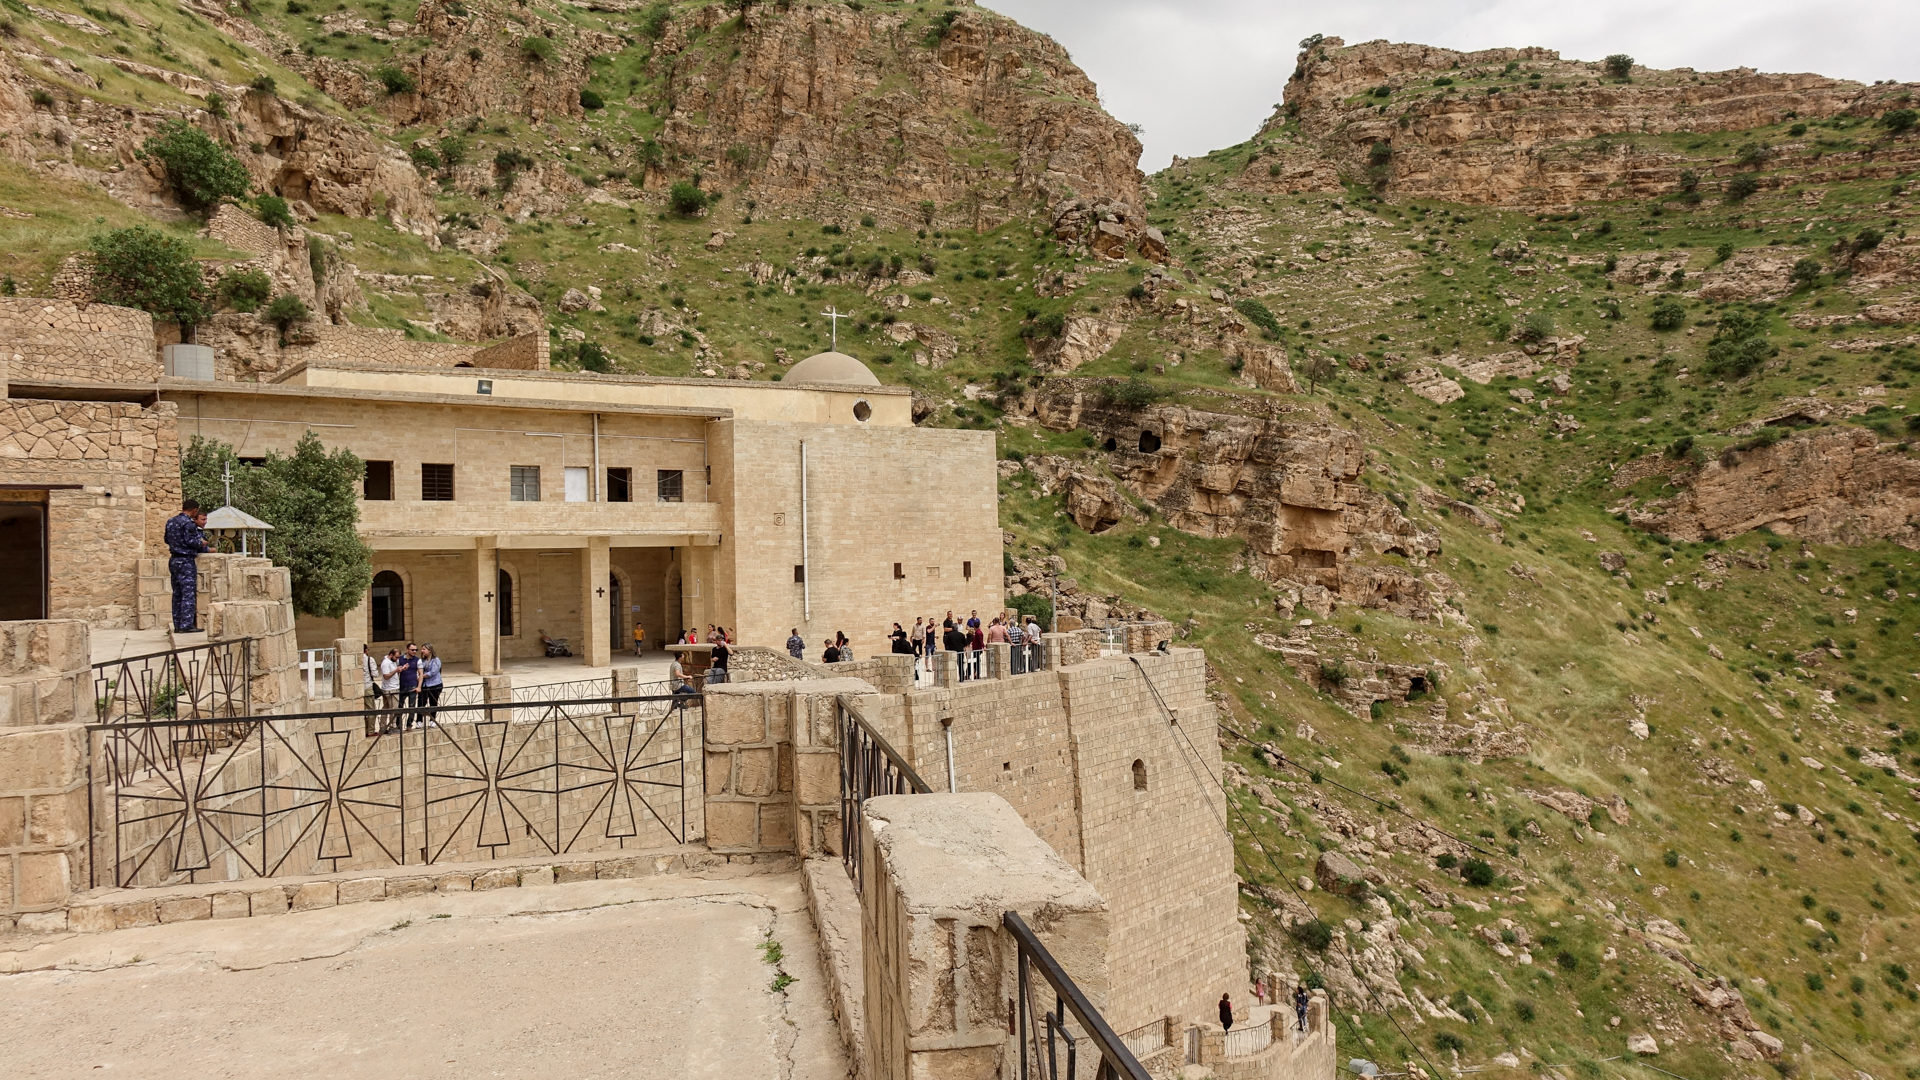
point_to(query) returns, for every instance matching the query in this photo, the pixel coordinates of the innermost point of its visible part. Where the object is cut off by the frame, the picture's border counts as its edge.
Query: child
(639, 639)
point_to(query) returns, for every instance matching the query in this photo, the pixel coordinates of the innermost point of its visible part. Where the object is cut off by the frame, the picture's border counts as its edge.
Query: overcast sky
(1203, 74)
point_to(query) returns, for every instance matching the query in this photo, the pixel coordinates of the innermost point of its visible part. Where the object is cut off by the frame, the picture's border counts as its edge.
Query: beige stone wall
(938, 966)
(528, 352)
(923, 498)
(772, 776)
(249, 597)
(62, 340)
(123, 460)
(46, 692)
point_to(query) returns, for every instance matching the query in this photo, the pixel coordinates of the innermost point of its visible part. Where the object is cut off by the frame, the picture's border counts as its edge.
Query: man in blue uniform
(185, 539)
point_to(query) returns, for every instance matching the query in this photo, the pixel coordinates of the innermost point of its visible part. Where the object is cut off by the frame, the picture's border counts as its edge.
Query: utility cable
(1352, 965)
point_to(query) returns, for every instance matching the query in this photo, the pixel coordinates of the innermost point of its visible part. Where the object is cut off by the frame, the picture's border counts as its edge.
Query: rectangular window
(575, 477)
(799, 573)
(524, 483)
(436, 483)
(966, 570)
(669, 485)
(379, 483)
(619, 485)
(899, 572)
(254, 462)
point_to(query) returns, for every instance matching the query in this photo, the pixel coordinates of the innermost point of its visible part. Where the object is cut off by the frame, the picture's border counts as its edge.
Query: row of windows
(523, 483)
(899, 572)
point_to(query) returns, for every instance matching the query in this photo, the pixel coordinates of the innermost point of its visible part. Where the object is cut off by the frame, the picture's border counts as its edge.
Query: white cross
(226, 480)
(833, 316)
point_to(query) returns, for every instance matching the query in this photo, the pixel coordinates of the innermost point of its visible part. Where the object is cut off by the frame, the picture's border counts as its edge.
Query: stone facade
(772, 770)
(249, 597)
(113, 473)
(66, 341)
(46, 694)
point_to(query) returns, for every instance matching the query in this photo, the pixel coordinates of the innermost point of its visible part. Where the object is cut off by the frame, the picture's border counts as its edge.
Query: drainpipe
(946, 726)
(806, 567)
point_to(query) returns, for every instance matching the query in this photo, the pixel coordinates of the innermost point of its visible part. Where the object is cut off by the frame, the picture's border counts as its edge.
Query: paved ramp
(655, 977)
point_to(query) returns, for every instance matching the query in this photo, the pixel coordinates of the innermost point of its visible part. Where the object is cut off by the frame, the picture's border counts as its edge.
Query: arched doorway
(504, 587)
(388, 607)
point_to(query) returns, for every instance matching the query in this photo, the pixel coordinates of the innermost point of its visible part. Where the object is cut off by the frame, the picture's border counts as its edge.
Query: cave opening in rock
(1149, 442)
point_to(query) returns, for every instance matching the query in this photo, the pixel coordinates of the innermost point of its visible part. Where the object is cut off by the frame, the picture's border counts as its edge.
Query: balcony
(454, 525)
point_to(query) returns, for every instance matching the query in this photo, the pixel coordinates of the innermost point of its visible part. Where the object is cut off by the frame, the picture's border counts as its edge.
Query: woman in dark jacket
(901, 646)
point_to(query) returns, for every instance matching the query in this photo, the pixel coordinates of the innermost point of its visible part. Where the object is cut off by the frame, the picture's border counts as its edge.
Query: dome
(831, 367)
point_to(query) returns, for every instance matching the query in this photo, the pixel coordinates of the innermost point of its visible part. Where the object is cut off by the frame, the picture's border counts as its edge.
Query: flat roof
(584, 377)
(167, 388)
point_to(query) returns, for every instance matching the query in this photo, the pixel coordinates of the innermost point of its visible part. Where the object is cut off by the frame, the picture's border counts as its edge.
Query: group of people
(969, 638)
(718, 659)
(405, 682)
(1301, 999)
(833, 650)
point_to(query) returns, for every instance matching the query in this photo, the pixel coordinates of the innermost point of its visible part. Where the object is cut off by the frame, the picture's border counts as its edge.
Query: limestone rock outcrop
(834, 109)
(1836, 485)
(1288, 483)
(1524, 127)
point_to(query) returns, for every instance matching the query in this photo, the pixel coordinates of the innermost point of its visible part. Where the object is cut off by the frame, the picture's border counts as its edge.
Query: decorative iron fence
(1049, 1034)
(191, 688)
(869, 766)
(316, 793)
(1248, 1039)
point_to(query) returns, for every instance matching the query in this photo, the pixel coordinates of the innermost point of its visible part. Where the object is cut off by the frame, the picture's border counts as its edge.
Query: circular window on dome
(862, 411)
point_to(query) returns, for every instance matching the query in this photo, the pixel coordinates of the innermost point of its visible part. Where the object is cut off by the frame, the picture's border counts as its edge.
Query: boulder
(1340, 875)
(1110, 240)
(1153, 245)
(1642, 1044)
(574, 301)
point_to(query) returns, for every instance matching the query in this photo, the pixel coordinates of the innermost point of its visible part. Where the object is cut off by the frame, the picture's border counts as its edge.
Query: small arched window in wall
(1139, 775)
(387, 614)
(503, 588)
(862, 411)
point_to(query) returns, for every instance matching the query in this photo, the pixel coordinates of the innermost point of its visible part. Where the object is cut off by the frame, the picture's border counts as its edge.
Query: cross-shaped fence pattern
(267, 796)
(191, 690)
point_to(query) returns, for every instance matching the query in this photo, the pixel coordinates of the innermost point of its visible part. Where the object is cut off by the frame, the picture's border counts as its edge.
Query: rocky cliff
(1524, 127)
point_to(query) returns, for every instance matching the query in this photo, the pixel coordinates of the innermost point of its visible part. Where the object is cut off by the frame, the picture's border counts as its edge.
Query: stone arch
(1139, 775)
(508, 587)
(395, 579)
(620, 624)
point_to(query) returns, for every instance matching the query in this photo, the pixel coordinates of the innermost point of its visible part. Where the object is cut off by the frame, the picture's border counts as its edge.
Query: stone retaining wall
(58, 339)
(45, 699)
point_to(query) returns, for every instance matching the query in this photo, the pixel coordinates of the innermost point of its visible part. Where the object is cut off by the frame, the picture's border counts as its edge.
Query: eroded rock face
(1287, 483)
(839, 107)
(1533, 142)
(1832, 486)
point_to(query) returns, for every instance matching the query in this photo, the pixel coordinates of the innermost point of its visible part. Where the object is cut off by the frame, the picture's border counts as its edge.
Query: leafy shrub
(594, 358)
(1619, 65)
(1257, 314)
(938, 30)
(1379, 155)
(200, 171)
(1667, 314)
(262, 84)
(395, 80)
(1815, 983)
(686, 199)
(1899, 121)
(653, 21)
(1477, 872)
(1741, 186)
(273, 211)
(1334, 672)
(1524, 1010)
(1536, 327)
(591, 100)
(510, 160)
(424, 158)
(1133, 393)
(1038, 607)
(1724, 251)
(143, 268)
(1739, 345)
(1446, 860)
(1671, 858)
(452, 150)
(1444, 1041)
(245, 289)
(1313, 934)
(1805, 273)
(285, 310)
(1044, 326)
(536, 50)
(1566, 960)
(217, 105)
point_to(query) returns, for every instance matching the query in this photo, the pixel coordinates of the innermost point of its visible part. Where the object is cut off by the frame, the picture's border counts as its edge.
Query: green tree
(285, 310)
(1741, 186)
(591, 100)
(649, 156)
(311, 498)
(1036, 607)
(1739, 344)
(1899, 121)
(200, 171)
(141, 267)
(1319, 369)
(687, 199)
(1536, 327)
(1619, 65)
(593, 357)
(537, 50)
(396, 80)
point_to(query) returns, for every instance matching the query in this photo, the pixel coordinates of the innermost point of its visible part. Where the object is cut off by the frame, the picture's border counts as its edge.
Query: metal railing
(194, 686)
(1248, 1040)
(320, 792)
(1146, 1040)
(869, 766)
(1050, 1031)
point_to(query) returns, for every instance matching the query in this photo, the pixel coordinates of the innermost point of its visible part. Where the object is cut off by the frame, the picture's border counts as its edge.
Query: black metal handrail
(338, 790)
(1116, 1061)
(201, 685)
(869, 766)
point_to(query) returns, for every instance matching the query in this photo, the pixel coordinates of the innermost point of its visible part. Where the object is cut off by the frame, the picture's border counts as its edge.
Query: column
(594, 629)
(357, 623)
(486, 606)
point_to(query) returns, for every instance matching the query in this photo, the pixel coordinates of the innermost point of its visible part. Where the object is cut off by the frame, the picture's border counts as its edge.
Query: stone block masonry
(66, 341)
(773, 765)
(45, 699)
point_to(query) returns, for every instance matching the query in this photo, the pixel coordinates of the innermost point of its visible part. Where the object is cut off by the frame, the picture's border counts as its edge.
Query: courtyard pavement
(652, 977)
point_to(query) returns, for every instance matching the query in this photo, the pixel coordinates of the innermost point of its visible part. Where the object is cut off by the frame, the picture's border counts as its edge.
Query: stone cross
(833, 317)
